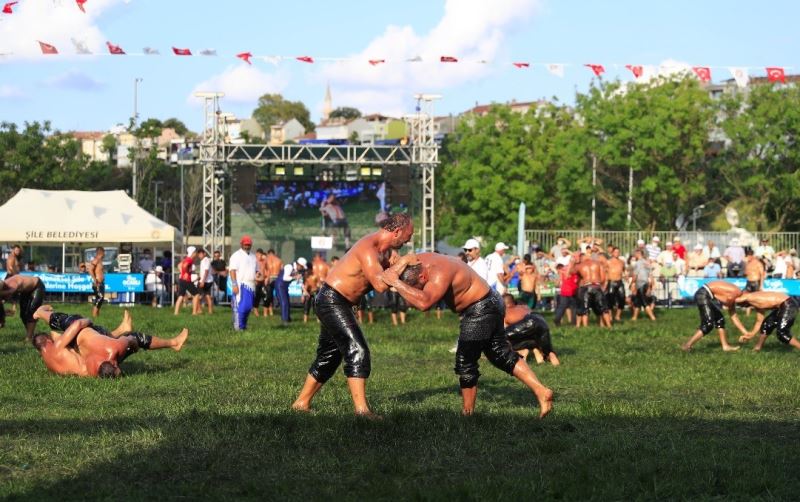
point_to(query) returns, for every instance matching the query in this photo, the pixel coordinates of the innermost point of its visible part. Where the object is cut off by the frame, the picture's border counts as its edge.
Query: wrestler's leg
(126, 326)
(328, 358)
(760, 342)
(723, 340)
(537, 354)
(686, 347)
(154, 342)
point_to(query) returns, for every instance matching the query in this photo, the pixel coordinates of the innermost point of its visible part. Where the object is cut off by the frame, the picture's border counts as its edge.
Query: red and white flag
(740, 75)
(776, 74)
(8, 7)
(80, 5)
(556, 69)
(376, 62)
(47, 48)
(305, 59)
(448, 59)
(149, 51)
(522, 65)
(114, 49)
(637, 70)
(80, 46)
(181, 52)
(702, 72)
(596, 68)
(245, 56)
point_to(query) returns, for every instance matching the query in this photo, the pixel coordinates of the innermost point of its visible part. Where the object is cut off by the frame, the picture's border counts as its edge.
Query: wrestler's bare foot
(686, 347)
(756, 349)
(730, 348)
(467, 413)
(537, 354)
(545, 398)
(301, 406)
(368, 415)
(180, 340)
(553, 358)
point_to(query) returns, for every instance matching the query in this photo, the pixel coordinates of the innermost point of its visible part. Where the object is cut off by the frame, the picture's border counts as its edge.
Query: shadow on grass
(144, 367)
(433, 454)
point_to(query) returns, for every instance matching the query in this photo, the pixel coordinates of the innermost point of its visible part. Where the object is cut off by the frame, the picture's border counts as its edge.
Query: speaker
(243, 185)
(398, 185)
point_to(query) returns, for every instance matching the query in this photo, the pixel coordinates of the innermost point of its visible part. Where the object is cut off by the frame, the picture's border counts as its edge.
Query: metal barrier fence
(626, 240)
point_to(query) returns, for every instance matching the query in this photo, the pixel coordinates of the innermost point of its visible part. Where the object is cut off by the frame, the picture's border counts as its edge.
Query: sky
(95, 92)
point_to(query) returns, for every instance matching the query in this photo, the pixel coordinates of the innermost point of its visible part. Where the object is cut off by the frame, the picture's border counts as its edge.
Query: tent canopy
(58, 216)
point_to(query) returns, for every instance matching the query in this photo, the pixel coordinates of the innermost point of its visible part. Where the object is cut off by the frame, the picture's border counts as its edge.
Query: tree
(345, 112)
(150, 128)
(178, 126)
(761, 165)
(273, 108)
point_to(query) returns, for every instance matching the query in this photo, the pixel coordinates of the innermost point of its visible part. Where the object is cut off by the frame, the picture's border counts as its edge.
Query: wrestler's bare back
(347, 276)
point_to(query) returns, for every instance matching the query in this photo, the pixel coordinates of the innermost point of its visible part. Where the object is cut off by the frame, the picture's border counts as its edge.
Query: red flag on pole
(181, 52)
(376, 62)
(245, 56)
(448, 59)
(305, 59)
(522, 65)
(47, 48)
(635, 69)
(703, 73)
(7, 7)
(80, 5)
(114, 49)
(776, 74)
(596, 68)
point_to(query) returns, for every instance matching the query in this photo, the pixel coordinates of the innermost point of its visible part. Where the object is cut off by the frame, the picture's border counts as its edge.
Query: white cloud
(471, 30)
(54, 23)
(76, 81)
(241, 84)
(11, 92)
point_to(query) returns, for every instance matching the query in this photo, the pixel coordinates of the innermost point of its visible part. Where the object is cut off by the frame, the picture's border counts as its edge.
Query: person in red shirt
(566, 295)
(678, 248)
(185, 283)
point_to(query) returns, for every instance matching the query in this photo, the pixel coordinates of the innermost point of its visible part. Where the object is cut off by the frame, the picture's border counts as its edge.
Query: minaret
(327, 107)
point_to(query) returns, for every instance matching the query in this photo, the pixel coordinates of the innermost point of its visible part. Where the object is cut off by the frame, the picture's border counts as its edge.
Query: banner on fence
(688, 286)
(82, 283)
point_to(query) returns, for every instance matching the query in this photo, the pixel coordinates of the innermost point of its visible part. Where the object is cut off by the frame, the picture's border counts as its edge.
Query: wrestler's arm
(422, 299)
(379, 277)
(61, 341)
(737, 322)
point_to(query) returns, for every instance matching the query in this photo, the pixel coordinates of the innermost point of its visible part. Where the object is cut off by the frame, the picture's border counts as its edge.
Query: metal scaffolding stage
(216, 155)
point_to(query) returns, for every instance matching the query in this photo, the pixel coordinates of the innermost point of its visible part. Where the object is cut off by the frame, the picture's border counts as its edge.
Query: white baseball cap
(640, 242)
(471, 244)
(698, 247)
(190, 250)
(656, 239)
(302, 261)
(159, 268)
(500, 246)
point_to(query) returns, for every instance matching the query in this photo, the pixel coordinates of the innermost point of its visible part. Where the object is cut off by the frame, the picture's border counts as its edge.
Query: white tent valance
(72, 216)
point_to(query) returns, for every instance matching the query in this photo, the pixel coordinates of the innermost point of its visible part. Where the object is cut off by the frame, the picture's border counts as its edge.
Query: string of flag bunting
(741, 74)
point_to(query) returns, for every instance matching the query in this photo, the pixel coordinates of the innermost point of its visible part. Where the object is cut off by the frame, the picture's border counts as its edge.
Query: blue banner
(688, 286)
(82, 283)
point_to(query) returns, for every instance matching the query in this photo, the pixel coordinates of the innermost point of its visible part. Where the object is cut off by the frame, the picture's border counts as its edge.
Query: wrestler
(261, 282)
(642, 286)
(30, 291)
(89, 351)
(592, 282)
(59, 321)
(711, 316)
(481, 308)
(319, 266)
(274, 267)
(310, 288)
(340, 338)
(528, 332)
(754, 272)
(615, 296)
(784, 310)
(95, 269)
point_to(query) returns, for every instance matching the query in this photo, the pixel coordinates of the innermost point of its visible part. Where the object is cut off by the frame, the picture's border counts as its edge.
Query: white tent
(59, 216)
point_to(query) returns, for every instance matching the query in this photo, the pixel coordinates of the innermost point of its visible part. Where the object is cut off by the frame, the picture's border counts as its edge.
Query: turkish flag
(448, 59)
(776, 74)
(522, 65)
(703, 73)
(181, 52)
(635, 69)
(596, 68)
(245, 56)
(7, 7)
(305, 59)
(375, 62)
(114, 49)
(80, 5)
(47, 48)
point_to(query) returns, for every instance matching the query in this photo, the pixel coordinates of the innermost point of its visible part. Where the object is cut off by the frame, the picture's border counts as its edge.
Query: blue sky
(95, 92)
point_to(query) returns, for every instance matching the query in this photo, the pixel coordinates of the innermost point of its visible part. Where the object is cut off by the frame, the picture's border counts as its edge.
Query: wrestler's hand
(410, 258)
(390, 277)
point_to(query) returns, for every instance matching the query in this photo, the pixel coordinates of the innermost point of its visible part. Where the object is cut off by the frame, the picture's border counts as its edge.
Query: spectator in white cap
(289, 274)
(653, 249)
(639, 247)
(472, 250)
(697, 261)
(734, 253)
(498, 272)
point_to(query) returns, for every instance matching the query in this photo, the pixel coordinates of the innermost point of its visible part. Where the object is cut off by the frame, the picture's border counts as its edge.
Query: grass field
(634, 418)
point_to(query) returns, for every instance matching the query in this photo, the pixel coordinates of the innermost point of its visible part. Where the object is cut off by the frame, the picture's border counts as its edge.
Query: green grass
(634, 418)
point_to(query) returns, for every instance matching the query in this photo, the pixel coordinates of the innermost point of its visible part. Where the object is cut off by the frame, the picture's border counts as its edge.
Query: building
(92, 144)
(289, 130)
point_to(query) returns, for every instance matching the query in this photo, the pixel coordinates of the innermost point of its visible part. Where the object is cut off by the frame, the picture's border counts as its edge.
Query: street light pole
(594, 190)
(133, 130)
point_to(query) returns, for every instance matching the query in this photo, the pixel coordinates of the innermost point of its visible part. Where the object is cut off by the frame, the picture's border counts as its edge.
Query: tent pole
(63, 267)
